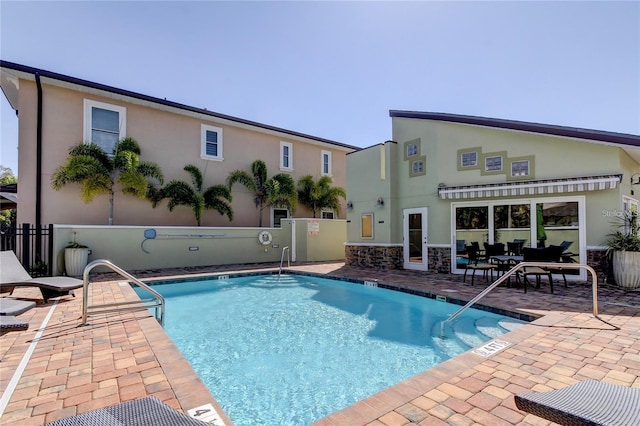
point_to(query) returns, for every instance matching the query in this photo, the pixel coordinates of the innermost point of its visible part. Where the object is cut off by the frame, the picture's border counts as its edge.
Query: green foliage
(97, 173)
(319, 195)
(626, 237)
(6, 176)
(278, 191)
(39, 269)
(180, 193)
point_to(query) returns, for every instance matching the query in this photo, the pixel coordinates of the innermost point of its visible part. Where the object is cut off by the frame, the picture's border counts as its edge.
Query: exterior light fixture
(349, 205)
(379, 203)
(637, 181)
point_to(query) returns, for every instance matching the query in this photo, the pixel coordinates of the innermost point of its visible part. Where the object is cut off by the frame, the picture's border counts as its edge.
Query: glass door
(415, 239)
(471, 228)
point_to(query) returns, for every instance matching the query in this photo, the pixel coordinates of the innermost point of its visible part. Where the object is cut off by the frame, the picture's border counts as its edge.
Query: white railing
(284, 249)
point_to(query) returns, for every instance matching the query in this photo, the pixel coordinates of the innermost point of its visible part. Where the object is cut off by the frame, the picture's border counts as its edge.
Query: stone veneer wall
(379, 257)
(382, 257)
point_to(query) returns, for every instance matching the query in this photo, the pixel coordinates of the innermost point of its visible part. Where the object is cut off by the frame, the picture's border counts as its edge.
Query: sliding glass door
(524, 223)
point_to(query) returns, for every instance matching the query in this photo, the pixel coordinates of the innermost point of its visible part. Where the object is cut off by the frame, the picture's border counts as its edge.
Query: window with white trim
(417, 166)
(520, 168)
(325, 165)
(412, 149)
(104, 124)
(277, 215)
(211, 143)
(286, 156)
(469, 159)
(493, 164)
(327, 214)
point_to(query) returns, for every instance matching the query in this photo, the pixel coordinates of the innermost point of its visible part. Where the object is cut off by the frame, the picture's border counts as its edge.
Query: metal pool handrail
(553, 265)
(156, 302)
(284, 249)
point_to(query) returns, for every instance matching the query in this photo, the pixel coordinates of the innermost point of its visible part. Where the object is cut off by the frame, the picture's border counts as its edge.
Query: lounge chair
(13, 274)
(140, 412)
(586, 403)
(9, 308)
(11, 323)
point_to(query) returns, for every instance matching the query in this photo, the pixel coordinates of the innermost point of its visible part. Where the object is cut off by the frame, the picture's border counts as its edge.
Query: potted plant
(624, 251)
(76, 257)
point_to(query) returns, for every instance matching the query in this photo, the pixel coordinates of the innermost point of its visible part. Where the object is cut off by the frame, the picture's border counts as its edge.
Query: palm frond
(196, 176)
(151, 170)
(95, 185)
(92, 150)
(133, 183)
(126, 144)
(243, 178)
(259, 171)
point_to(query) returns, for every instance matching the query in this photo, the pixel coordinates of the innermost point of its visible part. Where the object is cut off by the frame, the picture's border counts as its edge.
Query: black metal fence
(32, 245)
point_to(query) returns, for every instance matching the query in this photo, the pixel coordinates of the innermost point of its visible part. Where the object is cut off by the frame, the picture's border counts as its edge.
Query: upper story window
(417, 167)
(211, 143)
(326, 214)
(493, 164)
(412, 149)
(286, 156)
(469, 159)
(520, 168)
(104, 124)
(326, 163)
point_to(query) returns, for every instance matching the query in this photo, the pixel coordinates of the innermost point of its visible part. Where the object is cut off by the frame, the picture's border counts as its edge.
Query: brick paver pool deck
(71, 369)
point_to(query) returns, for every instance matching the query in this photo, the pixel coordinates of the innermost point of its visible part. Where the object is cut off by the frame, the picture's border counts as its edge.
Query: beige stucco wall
(318, 240)
(168, 137)
(440, 142)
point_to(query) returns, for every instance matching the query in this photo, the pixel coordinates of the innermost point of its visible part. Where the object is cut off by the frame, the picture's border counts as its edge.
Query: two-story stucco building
(57, 111)
(448, 180)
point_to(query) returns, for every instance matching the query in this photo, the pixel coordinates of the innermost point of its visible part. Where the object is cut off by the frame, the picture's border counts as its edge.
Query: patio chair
(9, 308)
(11, 323)
(477, 264)
(535, 255)
(515, 247)
(13, 274)
(585, 403)
(139, 412)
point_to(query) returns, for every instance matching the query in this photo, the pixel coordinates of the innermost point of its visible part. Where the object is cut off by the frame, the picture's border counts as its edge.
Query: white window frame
(521, 161)
(493, 157)
(289, 145)
(469, 153)
(204, 128)
(273, 219)
(322, 156)
(89, 104)
(322, 213)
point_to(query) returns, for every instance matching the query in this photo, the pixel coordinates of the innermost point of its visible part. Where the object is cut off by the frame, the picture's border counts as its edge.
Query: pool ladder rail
(518, 267)
(284, 249)
(156, 301)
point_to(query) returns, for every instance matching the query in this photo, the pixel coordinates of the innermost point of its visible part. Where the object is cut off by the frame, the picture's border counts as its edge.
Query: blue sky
(335, 69)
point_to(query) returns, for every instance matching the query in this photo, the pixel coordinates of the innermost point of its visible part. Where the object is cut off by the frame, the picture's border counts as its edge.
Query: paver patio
(74, 368)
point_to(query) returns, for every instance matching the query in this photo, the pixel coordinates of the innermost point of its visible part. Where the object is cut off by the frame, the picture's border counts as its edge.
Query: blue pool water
(294, 350)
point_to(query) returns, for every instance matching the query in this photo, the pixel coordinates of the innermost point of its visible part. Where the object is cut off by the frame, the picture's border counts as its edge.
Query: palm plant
(319, 195)
(278, 191)
(180, 193)
(97, 172)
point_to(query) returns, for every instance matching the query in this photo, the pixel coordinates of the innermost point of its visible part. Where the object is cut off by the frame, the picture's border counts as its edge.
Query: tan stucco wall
(168, 138)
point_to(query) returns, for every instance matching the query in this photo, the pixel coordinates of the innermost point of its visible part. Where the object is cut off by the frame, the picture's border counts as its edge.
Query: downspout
(39, 170)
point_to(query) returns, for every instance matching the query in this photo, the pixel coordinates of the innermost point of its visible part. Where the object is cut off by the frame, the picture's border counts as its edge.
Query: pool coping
(537, 359)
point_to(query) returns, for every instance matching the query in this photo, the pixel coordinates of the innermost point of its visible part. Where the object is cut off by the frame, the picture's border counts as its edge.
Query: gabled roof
(24, 71)
(524, 126)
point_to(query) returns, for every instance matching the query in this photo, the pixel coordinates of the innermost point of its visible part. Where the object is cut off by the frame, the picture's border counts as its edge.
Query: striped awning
(531, 187)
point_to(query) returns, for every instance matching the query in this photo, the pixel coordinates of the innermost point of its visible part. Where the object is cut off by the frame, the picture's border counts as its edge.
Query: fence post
(50, 243)
(26, 252)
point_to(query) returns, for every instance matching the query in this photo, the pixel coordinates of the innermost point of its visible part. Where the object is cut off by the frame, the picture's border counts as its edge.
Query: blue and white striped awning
(531, 187)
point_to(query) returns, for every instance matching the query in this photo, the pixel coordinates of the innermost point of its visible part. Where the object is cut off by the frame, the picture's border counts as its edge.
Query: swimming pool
(291, 351)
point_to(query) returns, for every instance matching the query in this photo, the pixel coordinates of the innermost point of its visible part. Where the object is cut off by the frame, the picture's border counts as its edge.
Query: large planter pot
(75, 259)
(626, 268)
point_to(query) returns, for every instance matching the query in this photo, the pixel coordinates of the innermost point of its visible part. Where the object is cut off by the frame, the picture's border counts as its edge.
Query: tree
(319, 195)
(278, 191)
(6, 176)
(97, 173)
(180, 193)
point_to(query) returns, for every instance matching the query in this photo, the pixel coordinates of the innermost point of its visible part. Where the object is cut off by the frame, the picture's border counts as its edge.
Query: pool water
(294, 350)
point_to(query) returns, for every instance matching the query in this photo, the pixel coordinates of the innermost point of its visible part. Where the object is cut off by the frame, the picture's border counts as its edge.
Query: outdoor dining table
(505, 257)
